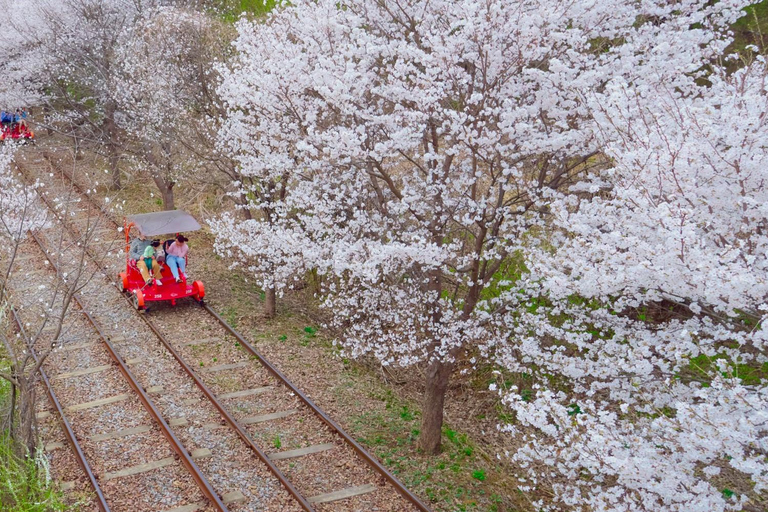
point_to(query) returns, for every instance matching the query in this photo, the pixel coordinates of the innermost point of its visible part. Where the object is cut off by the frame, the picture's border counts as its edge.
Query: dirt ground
(379, 407)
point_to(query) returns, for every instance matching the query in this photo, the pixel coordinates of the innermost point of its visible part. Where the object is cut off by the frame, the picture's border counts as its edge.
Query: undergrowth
(25, 483)
(461, 478)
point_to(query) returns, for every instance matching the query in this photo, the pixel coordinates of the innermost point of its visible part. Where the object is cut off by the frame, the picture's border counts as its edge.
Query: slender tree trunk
(27, 425)
(12, 411)
(270, 302)
(243, 201)
(166, 190)
(168, 199)
(167, 183)
(113, 144)
(46, 109)
(315, 281)
(114, 160)
(436, 385)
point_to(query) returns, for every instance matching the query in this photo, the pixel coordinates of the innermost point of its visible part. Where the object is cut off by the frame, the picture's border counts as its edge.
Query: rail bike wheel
(138, 301)
(198, 291)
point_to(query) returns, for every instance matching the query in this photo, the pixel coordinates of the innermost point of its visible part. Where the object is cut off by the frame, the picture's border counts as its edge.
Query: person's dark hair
(155, 243)
(181, 238)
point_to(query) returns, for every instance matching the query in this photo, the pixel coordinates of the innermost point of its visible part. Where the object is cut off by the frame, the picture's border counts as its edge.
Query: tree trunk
(436, 385)
(270, 302)
(243, 201)
(113, 144)
(27, 424)
(168, 199)
(12, 411)
(49, 128)
(166, 190)
(315, 281)
(117, 184)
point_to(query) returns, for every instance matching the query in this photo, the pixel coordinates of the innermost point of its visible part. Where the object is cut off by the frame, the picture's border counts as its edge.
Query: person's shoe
(178, 280)
(148, 282)
(158, 282)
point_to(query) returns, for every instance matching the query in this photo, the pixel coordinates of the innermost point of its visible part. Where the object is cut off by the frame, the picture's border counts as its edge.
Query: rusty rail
(242, 433)
(101, 502)
(186, 459)
(392, 479)
(231, 420)
(375, 464)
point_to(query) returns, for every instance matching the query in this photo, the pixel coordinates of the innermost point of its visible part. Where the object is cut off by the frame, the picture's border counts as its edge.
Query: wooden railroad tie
(228, 498)
(300, 452)
(174, 422)
(108, 400)
(246, 392)
(93, 369)
(200, 342)
(156, 464)
(222, 367)
(343, 494)
(254, 419)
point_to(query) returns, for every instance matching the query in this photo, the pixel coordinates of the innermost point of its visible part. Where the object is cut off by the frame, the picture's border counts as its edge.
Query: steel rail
(242, 433)
(101, 501)
(362, 452)
(186, 459)
(392, 479)
(230, 419)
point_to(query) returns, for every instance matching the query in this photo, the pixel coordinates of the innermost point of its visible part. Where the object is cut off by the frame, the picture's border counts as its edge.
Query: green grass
(25, 484)
(460, 478)
(751, 28)
(231, 10)
(230, 315)
(702, 367)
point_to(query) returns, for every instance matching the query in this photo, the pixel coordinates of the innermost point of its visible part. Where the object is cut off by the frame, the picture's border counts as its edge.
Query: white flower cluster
(20, 211)
(571, 189)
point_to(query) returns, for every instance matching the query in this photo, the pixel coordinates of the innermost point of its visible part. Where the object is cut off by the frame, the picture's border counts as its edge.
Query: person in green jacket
(147, 261)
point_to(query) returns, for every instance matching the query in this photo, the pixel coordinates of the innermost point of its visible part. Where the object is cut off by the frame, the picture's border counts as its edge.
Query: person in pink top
(176, 258)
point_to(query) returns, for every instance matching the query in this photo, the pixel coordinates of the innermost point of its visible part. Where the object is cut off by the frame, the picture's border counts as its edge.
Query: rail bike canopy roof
(163, 223)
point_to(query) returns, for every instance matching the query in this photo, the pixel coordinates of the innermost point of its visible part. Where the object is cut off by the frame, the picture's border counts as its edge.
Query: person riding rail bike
(149, 260)
(176, 258)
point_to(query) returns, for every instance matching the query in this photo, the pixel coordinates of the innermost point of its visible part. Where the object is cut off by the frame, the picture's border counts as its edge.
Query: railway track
(99, 399)
(251, 403)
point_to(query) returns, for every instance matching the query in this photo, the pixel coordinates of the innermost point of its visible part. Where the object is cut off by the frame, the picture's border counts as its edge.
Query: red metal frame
(16, 132)
(132, 281)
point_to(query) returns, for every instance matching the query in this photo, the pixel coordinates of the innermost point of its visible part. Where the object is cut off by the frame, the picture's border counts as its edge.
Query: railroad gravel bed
(315, 474)
(104, 456)
(62, 461)
(228, 463)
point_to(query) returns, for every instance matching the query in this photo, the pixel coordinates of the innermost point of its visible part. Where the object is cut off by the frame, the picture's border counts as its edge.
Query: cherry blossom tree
(406, 151)
(77, 42)
(642, 320)
(167, 92)
(20, 213)
(19, 209)
(21, 63)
